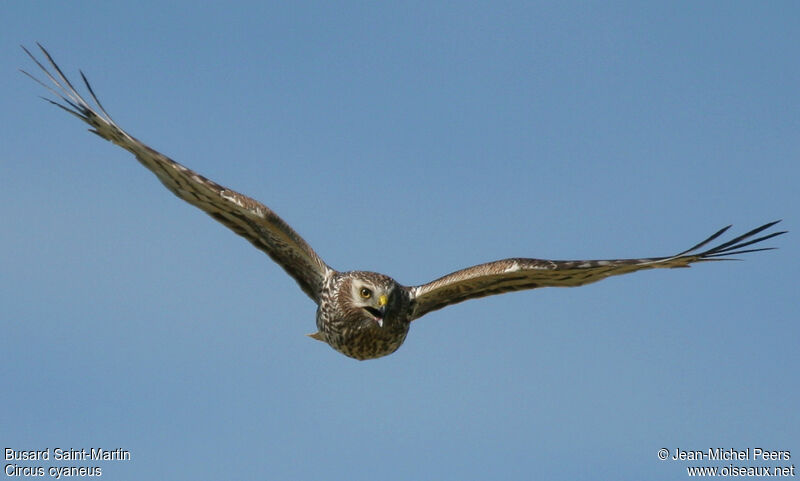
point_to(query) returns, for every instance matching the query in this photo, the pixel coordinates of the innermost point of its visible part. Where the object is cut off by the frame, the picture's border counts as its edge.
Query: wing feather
(245, 216)
(517, 274)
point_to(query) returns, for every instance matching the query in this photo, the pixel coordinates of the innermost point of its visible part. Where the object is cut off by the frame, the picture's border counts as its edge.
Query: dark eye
(365, 293)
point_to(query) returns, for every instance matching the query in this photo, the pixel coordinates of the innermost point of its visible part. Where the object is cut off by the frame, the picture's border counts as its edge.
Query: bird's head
(369, 296)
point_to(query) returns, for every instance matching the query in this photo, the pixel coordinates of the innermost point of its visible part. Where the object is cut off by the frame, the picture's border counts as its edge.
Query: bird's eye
(365, 293)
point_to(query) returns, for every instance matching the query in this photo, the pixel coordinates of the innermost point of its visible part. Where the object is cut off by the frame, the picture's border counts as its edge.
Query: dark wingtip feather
(743, 251)
(736, 245)
(56, 68)
(63, 89)
(709, 239)
(94, 97)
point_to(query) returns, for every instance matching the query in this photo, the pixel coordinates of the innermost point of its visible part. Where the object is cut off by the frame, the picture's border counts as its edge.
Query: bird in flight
(364, 315)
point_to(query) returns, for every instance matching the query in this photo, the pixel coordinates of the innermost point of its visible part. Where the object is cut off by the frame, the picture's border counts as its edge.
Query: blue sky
(412, 139)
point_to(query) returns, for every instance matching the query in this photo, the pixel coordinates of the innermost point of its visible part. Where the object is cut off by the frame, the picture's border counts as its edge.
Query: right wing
(245, 216)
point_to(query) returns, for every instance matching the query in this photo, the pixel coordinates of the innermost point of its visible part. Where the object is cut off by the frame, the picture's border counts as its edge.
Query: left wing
(245, 216)
(518, 274)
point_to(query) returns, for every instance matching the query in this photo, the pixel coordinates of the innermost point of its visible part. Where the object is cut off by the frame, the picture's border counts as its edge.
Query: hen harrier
(364, 315)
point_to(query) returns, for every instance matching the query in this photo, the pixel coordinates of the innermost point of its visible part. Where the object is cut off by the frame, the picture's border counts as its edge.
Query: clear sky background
(414, 139)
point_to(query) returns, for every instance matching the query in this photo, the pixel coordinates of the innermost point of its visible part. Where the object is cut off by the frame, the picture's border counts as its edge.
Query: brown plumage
(364, 315)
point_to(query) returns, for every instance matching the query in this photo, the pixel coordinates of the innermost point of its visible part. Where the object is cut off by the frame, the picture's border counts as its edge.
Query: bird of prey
(364, 315)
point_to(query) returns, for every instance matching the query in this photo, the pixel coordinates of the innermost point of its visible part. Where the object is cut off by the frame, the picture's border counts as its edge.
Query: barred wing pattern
(517, 274)
(245, 216)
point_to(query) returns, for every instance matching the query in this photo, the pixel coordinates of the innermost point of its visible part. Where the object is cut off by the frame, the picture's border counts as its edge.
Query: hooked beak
(382, 301)
(379, 312)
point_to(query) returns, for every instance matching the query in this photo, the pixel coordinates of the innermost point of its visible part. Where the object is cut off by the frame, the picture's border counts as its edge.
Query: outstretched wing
(245, 216)
(509, 275)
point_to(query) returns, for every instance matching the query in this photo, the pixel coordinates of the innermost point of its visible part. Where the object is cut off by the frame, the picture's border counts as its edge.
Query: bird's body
(365, 315)
(362, 331)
